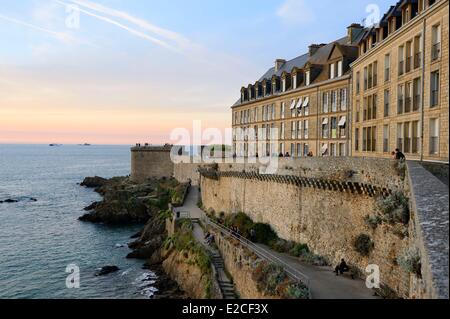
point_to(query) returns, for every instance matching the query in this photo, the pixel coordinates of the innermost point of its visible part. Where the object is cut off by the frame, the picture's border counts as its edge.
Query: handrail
(290, 271)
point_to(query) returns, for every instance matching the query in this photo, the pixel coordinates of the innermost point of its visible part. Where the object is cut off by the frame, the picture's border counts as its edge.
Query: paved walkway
(323, 281)
(190, 204)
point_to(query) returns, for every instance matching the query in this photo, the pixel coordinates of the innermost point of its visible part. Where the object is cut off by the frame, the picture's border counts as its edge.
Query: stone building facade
(375, 90)
(300, 106)
(400, 84)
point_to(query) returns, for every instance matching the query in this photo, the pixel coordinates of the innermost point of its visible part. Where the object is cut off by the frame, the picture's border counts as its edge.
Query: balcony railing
(436, 51)
(401, 67)
(416, 102)
(417, 60)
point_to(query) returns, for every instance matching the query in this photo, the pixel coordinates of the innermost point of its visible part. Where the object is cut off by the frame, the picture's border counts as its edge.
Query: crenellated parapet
(316, 183)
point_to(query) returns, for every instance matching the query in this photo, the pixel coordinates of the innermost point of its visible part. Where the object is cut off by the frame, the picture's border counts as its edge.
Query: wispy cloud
(295, 12)
(124, 27)
(139, 27)
(179, 39)
(61, 36)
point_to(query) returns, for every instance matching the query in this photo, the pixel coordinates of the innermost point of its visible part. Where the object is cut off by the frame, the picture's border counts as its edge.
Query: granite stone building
(366, 94)
(400, 81)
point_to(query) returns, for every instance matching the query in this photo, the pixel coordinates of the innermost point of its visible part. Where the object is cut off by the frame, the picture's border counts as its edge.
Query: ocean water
(38, 240)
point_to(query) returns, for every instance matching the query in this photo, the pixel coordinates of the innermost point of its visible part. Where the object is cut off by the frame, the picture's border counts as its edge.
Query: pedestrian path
(323, 282)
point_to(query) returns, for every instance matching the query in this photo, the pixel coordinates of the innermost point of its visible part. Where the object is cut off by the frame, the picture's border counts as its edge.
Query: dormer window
(332, 71)
(294, 81)
(284, 84)
(340, 68)
(307, 77)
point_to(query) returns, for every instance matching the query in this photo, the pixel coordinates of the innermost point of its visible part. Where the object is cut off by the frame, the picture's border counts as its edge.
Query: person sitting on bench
(341, 268)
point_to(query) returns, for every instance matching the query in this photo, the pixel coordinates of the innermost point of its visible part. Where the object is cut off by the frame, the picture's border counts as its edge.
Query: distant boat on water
(55, 145)
(85, 144)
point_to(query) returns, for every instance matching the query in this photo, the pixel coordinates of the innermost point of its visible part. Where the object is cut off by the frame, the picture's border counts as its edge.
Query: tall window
(282, 131)
(294, 81)
(358, 111)
(408, 61)
(333, 127)
(400, 136)
(386, 138)
(387, 67)
(356, 139)
(325, 127)
(401, 61)
(358, 82)
(325, 102)
(284, 84)
(343, 99)
(306, 129)
(436, 42)
(400, 99)
(307, 77)
(333, 101)
(418, 51)
(434, 89)
(386, 103)
(434, 136)
(293, 131)
(282, 110)
(415, 137)
(365, 78)
(375, 74)
(332, 71)
(417, 94)
(340, 68)
(408, 100)
(299, 129)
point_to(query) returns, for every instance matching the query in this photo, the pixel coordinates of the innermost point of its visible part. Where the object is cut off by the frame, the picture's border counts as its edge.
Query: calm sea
(38, 240)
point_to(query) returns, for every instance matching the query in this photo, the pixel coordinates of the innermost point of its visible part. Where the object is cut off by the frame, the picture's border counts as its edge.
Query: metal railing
(293, 273)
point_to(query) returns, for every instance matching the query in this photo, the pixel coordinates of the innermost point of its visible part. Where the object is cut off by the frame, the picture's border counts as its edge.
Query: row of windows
(408, 12)
(271, 149)
(332, 101)
(299, 130)
(407, 137)
(409, 58)
(409, 98)
(334, 127)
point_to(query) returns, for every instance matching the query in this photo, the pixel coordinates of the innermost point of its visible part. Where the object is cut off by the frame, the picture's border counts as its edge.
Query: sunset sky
(134, 70)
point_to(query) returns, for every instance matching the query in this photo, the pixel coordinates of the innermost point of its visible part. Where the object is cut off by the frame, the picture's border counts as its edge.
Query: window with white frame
(307, 77)
(340, 67)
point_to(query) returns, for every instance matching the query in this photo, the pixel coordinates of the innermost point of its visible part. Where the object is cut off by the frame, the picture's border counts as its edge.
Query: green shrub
(395, 208)
(299, 250)
(297, 291)
(264, 234)
(372, 221)
(364, 244)
(411, 261)
(282, 246)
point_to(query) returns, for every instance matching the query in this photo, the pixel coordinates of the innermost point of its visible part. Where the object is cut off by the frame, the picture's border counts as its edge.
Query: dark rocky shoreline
(126, 202)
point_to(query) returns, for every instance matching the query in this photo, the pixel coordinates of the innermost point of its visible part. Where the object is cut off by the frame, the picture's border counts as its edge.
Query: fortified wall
(326, 203)
(151, 161)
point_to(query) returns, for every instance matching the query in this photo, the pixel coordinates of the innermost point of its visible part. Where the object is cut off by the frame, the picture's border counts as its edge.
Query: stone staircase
(226, 286)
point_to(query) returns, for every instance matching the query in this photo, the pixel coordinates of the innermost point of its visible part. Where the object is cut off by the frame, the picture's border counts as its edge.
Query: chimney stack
(314, 47)
(279, 64)
(353, 31)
